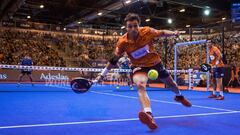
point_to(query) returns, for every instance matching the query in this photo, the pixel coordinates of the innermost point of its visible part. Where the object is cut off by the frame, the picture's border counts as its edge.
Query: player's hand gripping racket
(205, 67)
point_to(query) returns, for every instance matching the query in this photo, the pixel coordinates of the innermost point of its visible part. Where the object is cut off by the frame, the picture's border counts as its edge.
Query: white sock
(214, 92)
(178, 93)
(221, 93)
(147, 109)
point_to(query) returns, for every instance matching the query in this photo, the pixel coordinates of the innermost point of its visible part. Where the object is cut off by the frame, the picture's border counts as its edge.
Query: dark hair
(132, 17)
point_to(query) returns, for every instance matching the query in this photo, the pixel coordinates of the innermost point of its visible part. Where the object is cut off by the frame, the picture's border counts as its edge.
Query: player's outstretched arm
(111, 63)
(168, 33)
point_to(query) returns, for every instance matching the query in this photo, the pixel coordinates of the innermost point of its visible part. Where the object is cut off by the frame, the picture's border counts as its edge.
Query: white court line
(114, 120)
(162, 101)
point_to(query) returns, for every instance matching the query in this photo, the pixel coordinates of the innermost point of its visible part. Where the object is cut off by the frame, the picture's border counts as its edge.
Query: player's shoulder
(145, 29)
(215, 48)
(122, 39)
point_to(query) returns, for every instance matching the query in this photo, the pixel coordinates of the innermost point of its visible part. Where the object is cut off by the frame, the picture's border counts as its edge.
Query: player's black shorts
(218, 72)
(162, 72)
(26, 72)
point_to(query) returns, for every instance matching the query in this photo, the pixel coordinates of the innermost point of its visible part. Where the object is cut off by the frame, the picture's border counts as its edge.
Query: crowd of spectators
(14, 43)
(94, 47)
(194, 55)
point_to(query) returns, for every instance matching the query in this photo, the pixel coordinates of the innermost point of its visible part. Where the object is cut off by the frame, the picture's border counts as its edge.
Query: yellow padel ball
(153, 74)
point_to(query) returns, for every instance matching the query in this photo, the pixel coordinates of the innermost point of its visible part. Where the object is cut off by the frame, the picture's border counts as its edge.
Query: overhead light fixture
(28, 17)
(169, 20)
(79, 22)
(127, 1)
(188, 25)
(148, 20)
(182, 10)
(224, 18)
(122, 27)
(41, 6)
(64, 28)
(207, 11)
(99, 13)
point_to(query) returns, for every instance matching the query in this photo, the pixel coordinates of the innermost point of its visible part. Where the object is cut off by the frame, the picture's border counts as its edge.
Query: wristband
(104, 72)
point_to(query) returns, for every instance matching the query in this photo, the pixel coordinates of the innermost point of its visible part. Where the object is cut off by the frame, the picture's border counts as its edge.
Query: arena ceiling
(71, 13)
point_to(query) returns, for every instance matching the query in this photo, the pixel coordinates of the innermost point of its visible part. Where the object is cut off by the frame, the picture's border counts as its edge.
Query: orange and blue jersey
(141, 52)
(215, 57)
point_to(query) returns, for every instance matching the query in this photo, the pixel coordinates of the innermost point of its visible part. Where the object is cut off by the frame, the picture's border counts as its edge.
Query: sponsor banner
(197, 31)
(12, 75)
(3, 76)
(8, 24)
(194, 31)
(24, 25)
(236, 26)
(98, 63)
(9, 75)
(184, 31)
(72, 30)
(40, 26)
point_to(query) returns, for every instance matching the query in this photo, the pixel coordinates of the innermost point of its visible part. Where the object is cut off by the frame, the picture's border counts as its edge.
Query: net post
(175, 63)
(207, 74)
(190, 78)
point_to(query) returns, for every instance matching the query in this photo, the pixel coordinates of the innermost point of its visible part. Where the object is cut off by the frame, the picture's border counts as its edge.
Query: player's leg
(119, 80)
(129, 79)
(20, 77)
(174, 87)
(140, 80)
(215, 74)
(219, 83)
(168, 80)
(29, 74)
(214, 92)
(145, 116)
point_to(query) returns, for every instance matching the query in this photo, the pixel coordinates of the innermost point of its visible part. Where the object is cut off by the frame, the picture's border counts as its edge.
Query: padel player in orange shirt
(137, 43)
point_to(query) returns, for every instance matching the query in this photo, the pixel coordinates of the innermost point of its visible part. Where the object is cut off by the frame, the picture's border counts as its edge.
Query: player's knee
(141, 86)
(140, 79)
(141, 89)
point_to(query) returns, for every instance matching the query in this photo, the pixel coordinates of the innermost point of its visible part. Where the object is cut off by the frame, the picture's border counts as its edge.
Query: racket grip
(98, 79)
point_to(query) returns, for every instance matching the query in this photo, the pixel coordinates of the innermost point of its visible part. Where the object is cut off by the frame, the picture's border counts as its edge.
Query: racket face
(80, 85)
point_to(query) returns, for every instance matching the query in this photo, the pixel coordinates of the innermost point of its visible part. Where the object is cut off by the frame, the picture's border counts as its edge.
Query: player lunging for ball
(137, 43)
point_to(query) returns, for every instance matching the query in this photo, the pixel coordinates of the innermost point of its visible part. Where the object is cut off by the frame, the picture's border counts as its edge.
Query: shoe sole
(144, 118)
(219, 99)
(212, 97)
(189, 105)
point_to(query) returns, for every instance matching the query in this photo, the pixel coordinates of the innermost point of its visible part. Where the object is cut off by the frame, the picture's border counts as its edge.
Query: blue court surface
(50, 110)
